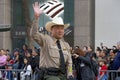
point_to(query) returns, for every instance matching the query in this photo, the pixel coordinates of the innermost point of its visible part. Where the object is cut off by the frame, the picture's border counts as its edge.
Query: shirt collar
(54, 39)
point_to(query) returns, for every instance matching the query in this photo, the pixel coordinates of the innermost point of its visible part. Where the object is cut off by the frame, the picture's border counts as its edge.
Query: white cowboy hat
(55, 21)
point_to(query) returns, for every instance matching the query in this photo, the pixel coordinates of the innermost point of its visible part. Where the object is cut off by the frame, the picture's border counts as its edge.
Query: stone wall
(84, 23)
(5, 19)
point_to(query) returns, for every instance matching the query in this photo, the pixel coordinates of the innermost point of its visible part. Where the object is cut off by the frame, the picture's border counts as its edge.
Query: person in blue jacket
(116, 61)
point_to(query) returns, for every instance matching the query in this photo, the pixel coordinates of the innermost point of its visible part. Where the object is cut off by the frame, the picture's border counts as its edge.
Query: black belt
(53, 71)
(49, 71)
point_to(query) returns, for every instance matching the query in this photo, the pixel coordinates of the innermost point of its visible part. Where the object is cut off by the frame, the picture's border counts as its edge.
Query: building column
(84, 22)
(5, 19)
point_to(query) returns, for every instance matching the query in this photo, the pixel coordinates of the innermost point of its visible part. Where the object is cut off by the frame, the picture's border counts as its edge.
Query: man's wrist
(36, 16)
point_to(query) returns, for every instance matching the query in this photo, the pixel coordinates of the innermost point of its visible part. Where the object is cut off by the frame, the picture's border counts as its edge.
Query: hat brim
(50, 24)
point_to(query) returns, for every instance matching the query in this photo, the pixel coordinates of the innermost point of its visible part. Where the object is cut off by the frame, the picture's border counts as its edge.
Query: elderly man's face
(57, 31)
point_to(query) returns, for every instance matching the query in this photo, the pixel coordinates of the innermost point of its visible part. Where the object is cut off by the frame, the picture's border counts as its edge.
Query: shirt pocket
(54, 54)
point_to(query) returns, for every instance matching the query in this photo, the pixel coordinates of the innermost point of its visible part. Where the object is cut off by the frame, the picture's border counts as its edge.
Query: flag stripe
(53, 8)
(57, 12)
(46, 7)
(42, 5)
(50, 3)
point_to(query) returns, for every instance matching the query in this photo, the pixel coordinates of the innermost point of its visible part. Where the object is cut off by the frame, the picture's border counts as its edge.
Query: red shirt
(104, 67)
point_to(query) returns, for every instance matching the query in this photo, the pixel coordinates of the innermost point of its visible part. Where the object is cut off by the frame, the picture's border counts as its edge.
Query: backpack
(95, 67)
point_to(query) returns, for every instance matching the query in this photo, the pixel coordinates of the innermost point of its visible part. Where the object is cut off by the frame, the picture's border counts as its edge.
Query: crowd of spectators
(27, 60)
(106, 59)
(23, 59)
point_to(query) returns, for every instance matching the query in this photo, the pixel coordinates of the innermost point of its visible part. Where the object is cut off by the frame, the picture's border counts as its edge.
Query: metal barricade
(112, 74)
(14, 74)
(10, 74)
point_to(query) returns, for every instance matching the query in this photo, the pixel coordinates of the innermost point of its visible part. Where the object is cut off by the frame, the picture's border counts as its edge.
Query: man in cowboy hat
(52, 47)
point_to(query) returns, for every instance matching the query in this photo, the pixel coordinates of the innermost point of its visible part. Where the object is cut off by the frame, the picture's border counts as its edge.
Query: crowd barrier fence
(111, 74)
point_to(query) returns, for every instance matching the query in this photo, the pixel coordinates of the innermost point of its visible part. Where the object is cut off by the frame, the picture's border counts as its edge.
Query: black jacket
(83, 68)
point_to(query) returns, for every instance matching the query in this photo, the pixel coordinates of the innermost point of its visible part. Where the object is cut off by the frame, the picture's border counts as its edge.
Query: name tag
(82, 65)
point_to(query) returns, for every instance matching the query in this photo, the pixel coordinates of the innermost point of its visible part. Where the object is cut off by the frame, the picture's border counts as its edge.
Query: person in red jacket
(103, 68)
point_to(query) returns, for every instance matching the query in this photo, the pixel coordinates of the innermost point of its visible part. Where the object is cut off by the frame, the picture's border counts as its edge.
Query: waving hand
(37, 11)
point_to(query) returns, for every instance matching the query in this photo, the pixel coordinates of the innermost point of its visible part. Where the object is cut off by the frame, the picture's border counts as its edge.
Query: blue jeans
(104, 77)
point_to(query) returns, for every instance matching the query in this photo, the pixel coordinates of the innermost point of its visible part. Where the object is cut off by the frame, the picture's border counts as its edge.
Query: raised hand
(37, 11)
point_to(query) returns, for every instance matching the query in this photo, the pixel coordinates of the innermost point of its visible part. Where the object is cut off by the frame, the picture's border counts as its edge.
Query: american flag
(52, 8)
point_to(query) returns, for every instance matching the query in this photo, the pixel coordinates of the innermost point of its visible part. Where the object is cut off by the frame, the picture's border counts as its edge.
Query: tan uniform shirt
(49, 55)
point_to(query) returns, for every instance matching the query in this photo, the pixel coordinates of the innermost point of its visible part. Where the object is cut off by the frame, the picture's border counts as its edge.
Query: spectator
(24, 50)
(83, 65)
(26, 73)
(85, 48)
(91, 52)
(29, 55)
(98, 51)
(116, 61)
(9, 73)
(103, 66)
(3, 59)
(111, 58)
(35, 59)
(9, 59)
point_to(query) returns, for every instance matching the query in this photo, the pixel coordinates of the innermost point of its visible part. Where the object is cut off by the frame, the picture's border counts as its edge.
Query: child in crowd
(103, 67)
